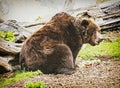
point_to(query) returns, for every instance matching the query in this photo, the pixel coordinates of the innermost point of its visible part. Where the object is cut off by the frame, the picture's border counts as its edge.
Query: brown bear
(53, 48)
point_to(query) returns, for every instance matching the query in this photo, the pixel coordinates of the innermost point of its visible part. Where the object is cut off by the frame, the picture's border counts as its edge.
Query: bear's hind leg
(63, 59)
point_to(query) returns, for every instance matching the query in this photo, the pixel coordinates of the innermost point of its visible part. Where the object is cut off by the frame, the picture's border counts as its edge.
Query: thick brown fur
(53, 48)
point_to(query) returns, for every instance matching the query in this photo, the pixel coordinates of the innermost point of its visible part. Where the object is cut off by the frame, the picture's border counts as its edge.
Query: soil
(101, 73)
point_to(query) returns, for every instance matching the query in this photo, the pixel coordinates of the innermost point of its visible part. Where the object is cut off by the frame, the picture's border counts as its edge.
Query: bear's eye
(91, 32)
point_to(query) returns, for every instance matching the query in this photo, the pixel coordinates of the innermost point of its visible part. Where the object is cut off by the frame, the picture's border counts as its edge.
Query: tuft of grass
(38, 18)
(19, 75)
(8, 36)
(111, 49)
(35, 85)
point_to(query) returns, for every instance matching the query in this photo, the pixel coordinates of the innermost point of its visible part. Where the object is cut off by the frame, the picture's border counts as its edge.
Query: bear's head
(89, 31)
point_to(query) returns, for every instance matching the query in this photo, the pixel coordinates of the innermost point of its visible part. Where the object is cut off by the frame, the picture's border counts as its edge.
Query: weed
(19, 75)
(38, 18)
(8, 36)
(35, 85)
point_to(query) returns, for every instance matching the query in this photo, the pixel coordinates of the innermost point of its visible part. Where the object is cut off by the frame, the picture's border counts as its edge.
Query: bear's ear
(84, 23)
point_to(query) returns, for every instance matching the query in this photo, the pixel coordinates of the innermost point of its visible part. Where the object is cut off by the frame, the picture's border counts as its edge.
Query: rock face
(53, 48)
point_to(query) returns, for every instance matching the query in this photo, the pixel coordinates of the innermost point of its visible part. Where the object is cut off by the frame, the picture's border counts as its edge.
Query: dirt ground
(103, 73)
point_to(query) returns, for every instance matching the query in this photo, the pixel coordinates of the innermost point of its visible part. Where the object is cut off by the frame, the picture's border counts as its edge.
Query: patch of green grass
(8, 36)
(35, 85)
(38, 18)
(19, 75)
(111, 49)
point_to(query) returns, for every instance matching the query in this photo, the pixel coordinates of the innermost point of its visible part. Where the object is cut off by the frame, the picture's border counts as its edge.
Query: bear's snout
(99, 39)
